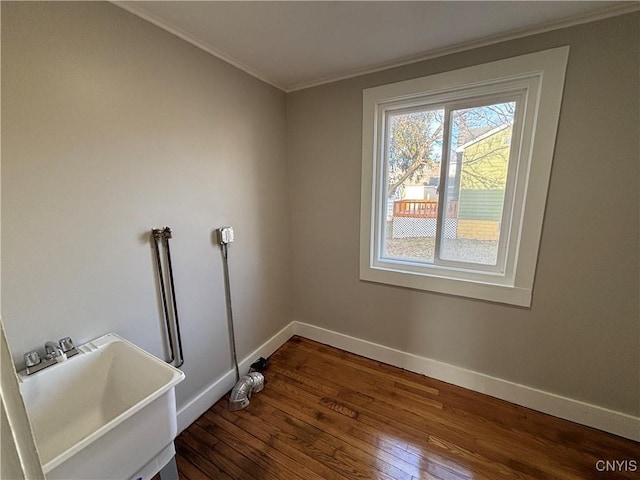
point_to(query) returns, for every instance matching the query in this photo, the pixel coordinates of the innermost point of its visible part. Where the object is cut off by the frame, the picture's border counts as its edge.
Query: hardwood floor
(327, 414)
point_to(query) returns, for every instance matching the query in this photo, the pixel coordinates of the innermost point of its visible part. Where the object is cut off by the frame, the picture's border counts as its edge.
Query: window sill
(478, 289)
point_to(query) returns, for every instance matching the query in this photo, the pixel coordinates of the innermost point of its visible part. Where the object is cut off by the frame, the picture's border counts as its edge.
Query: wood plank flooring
(327, 414)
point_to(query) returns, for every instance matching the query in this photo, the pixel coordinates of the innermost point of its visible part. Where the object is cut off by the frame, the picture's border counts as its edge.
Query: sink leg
(170, 470)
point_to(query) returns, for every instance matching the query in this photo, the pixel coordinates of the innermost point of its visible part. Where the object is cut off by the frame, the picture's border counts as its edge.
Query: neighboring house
(481, 183)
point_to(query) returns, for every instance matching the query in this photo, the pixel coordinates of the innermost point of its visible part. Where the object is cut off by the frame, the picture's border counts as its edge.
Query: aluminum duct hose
(253, 382)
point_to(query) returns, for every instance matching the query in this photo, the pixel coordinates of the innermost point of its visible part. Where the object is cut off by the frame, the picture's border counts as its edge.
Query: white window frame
(537, 80)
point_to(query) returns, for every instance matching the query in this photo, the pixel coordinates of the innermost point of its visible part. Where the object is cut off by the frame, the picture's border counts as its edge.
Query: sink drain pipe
(253, 382)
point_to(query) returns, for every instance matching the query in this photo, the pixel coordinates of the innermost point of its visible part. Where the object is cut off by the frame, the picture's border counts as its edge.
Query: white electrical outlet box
(225, 235)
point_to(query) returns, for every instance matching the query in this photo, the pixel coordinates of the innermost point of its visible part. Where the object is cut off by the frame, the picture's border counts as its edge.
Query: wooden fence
(423, 208)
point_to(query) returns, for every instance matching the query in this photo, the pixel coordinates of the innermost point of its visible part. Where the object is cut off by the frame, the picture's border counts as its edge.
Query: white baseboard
(190, 412)
(583, 413)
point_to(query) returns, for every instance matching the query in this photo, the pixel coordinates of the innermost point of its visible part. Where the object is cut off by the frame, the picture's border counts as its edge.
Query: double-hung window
(455, 171)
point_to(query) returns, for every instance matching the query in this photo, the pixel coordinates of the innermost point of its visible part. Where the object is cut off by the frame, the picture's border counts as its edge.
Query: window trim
(541, 77)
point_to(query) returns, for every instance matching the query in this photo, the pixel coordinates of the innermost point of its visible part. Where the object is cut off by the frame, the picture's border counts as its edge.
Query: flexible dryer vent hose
(253, 382)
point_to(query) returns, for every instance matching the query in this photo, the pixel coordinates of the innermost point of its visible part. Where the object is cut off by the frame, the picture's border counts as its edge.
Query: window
(455, 171)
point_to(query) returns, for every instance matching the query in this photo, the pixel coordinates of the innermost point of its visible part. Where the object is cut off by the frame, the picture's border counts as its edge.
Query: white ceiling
(296, 44)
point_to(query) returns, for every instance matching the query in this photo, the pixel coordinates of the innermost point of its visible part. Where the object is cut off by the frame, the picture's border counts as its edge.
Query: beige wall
(110, 127)
(581, 336)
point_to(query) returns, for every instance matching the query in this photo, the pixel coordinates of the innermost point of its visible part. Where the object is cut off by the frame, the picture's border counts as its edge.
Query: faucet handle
(52, 350)
(31, 358)
(66, 344)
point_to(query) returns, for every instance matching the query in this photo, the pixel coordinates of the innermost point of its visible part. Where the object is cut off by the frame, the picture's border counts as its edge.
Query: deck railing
(423, 208)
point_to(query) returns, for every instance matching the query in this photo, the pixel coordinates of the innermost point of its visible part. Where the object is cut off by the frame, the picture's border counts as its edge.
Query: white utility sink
(108, 412)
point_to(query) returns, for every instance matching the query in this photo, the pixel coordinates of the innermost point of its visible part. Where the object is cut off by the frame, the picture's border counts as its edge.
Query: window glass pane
(480, 145)
(413, 158)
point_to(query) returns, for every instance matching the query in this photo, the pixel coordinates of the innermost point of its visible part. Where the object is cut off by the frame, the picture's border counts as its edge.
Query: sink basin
(106, 413)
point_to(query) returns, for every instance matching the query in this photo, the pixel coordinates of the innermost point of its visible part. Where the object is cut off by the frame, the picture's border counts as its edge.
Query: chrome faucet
(53, 353)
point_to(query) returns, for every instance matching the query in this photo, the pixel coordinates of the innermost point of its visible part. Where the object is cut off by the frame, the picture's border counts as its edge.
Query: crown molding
(607, 12)
(187, 37)
(604, 13)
